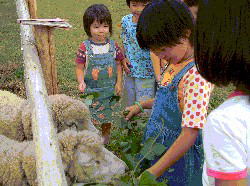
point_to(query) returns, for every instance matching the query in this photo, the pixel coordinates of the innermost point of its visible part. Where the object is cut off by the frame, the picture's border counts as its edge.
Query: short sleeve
(119, 53)
(81, 54)
(196, 93)
(225, 148)
(123, 29)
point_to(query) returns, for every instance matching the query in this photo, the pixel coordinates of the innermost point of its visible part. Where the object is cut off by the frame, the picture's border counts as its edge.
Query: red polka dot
(201, 91)
(194, 101)
(195, 94)
(188, 112)
(189, 105)
(204, 103)
(191, 71)
(197, 113)
(192, 84)
(202, 117)
(192, 116)
(197, 79)
(205, 95)
(191, 123)
(199, 106)
(202, 83)
(183, 115)
(197, 73)
(201, 125)
(190, 90)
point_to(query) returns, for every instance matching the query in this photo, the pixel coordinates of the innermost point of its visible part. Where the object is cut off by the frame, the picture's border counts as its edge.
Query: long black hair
(222, 42)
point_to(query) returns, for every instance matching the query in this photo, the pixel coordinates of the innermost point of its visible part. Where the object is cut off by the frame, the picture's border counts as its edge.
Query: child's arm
(182, 144)
(125, 62)
(118, 86)
(135, 109)
(80, 76)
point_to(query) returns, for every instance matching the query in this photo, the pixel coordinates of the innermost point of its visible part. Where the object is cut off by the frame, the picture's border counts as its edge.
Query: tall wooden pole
(49, 167)
(46, 50)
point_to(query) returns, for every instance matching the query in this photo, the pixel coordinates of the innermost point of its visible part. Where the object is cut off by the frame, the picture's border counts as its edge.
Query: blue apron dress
(104, 85)
(166, 119)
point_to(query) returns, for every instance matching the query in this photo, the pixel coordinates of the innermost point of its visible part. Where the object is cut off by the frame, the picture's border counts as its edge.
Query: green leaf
(149, 179)
(158, 149)
(150, 151)
(124, 144)
(129, 160)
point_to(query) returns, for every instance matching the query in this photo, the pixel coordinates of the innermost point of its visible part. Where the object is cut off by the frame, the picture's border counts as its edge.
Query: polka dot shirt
(193, 94)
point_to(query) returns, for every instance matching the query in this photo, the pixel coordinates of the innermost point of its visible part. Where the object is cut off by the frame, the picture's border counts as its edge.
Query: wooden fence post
(46, 50)
(49, 166)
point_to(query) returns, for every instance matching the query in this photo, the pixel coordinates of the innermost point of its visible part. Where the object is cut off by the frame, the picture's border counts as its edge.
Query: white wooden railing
(48, 159)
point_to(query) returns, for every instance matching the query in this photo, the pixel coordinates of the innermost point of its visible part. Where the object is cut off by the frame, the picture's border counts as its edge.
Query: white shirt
(226, 141)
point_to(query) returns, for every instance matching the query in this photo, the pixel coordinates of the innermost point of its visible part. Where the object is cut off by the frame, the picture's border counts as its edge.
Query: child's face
(99, 32)
(136, 8)
(173, 54)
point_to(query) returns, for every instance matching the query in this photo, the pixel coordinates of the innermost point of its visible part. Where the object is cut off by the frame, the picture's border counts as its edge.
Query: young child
(139, 82)
(159, 64)
(180, 106)
(223, 56)
(98, 64)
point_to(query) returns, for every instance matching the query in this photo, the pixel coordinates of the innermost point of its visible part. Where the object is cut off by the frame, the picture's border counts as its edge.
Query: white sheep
(84, 159)
(15, 115)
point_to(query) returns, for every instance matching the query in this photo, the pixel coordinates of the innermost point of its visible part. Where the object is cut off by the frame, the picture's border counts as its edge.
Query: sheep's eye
(97, 161)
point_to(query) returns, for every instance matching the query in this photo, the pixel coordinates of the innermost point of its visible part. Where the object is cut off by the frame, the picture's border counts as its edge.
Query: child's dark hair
(142, 1)
(191, 3)
(99, 13)
(164, 23)
(222, 45)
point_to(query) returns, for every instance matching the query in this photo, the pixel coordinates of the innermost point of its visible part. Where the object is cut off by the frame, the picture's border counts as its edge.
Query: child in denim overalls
(101, 59)
(180, 106)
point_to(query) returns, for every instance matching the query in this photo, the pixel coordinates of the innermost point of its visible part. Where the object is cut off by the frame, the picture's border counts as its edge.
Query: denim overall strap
(180, 75)
(165, 125)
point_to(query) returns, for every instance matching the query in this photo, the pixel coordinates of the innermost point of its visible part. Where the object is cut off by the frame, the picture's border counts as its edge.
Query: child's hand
(82, 86)
(118, 89)
(126, 64)
(132, 111)
(95, 73)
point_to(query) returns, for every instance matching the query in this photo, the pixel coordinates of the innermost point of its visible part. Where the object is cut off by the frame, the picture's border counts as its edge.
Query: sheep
(15, 115)
(83, 155)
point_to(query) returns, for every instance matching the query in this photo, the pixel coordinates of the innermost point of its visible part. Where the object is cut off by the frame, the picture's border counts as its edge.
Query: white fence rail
(48, 159)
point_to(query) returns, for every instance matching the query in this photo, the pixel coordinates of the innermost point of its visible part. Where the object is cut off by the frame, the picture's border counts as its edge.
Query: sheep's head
(66, 112)
(70, 113)
(92, 162)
